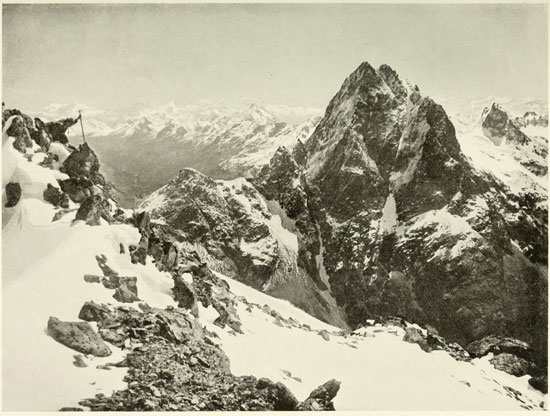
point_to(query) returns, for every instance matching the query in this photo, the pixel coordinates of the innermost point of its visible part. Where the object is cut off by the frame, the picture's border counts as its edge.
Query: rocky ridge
(243, 237)
(173, 365)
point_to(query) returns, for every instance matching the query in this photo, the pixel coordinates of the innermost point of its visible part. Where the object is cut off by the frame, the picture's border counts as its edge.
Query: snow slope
(378, 370)
(503, 161)
(43, 266)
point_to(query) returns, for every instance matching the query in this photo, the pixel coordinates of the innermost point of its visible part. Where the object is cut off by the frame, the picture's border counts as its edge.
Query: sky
(112, 56)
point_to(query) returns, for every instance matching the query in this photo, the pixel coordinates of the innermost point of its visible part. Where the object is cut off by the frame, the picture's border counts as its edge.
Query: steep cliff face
(407, 225)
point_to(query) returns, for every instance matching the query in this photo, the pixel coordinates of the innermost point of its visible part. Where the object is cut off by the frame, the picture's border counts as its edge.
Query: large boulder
(540, 383)
(513, 365)
(279, 394)
(81, 162)
(92, 312)
(20, 132)
(320, 399)
(139, 254)
(185, 295)
(498, 345)
(78, 336)
(126, 291)
(56, 197)
(13, 194)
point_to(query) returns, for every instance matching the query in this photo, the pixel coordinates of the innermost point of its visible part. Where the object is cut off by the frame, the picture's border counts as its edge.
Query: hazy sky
(116, 55)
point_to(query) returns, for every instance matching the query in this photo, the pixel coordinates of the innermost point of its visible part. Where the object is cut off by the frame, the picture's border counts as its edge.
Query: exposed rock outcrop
(245, 236)
(92, 209)
(13, 194)
(320, 399)
(173, 365)
(499, 127)
(56, 197)
(78, 336)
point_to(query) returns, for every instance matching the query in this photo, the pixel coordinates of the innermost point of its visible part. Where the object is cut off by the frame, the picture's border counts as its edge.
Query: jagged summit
(386, 191)
(499, 127)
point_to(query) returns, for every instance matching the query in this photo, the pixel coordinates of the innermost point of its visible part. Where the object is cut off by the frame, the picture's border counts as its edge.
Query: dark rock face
(510, 355)
(13, 194)
(54, 196)
(498, 126)
(282, 397)
(78, 336)
(499, 345)
(409, 227)
(185, 296)
(513, 364)
(126, 291)
(92, 209)
(57, 129)
(19, 129)
(235, 225)
(320, 399)
(540, 383)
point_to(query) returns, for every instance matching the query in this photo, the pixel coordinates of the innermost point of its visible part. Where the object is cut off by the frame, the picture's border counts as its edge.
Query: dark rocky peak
(363, 118)
(378, 135)
(498, 127)
(194, 187)
(392, 80)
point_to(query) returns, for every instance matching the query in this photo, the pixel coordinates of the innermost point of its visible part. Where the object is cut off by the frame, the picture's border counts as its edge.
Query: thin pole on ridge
(81, 125)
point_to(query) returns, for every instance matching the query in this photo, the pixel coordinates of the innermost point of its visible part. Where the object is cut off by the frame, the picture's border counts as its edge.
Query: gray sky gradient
(112, 56)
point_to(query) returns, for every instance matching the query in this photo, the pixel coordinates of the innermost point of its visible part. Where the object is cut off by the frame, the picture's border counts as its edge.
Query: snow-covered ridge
(520, 164)
(99, 122)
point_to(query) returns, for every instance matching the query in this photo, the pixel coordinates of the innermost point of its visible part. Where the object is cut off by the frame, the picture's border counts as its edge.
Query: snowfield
(378, 370)
(43, 269)
(502, 161)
